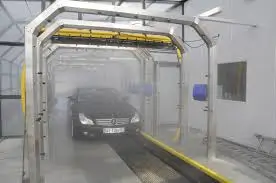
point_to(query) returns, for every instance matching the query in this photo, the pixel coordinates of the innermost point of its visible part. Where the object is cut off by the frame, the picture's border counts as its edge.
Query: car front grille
(112, 122)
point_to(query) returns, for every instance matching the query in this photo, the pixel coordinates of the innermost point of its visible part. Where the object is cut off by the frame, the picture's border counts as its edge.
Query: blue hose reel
(200, 92)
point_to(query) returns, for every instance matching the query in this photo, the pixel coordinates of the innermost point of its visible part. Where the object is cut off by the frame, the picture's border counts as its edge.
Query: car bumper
(89, 130)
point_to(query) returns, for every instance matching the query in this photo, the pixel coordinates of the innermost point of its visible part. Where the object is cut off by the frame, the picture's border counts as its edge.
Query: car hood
(106, 110)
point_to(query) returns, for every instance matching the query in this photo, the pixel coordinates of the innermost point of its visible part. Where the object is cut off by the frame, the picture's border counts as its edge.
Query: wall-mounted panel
(12, 118)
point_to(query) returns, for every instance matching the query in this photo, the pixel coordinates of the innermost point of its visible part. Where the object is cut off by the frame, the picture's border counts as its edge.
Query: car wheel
(75, 133)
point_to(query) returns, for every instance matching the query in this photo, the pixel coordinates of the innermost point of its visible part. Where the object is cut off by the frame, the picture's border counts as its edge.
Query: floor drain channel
(146, 166)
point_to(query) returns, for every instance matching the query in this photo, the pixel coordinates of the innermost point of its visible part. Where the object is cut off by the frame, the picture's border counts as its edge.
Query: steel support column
(180, 98)
(142, 82)
(183, 26)
(212, 85)
(44, 126)
(143, 7)
(155, 99)
(143, 97)
(113, 17)
(31, 109)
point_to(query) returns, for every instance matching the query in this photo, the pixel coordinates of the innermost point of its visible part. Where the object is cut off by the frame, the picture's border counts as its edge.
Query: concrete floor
(228, 162)
(68, 161)
(94, 161)
(11, 160)
(81, 161)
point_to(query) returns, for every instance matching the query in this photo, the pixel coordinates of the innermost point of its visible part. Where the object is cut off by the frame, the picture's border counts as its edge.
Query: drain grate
(146, 166)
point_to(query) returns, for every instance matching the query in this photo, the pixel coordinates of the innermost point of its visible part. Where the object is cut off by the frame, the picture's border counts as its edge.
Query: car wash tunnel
(108, 93)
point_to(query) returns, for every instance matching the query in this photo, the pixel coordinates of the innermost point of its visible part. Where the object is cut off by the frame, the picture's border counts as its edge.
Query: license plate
(113, 130)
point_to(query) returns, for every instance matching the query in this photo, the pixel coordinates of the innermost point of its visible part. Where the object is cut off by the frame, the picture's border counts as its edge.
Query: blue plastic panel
(200, 92)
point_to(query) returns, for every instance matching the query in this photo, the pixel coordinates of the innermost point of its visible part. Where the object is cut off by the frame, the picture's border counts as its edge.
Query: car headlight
(84, 120)
(135, 118)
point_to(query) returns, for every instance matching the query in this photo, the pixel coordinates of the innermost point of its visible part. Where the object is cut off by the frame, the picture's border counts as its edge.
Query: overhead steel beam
(10, 97)
(6, 29)
(9, 49)
(176, 5)
(9, 43)
(10, 17)
(22, 21)
(99, 9)
(17, 55)
(226, 21)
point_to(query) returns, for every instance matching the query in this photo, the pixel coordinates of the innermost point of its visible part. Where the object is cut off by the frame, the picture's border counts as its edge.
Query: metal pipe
(9, 49)
(143, 7)
(154, 101)
(226, 21)
(143, 97)
(183, 26)
(180, 95)
(211, 128)
(43, 5)
(11, 78)
(113, 17)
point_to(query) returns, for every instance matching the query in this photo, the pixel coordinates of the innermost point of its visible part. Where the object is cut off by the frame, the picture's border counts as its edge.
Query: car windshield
(98, 95)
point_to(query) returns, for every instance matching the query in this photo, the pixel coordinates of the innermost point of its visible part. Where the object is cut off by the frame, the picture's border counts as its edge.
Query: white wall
(238, 121)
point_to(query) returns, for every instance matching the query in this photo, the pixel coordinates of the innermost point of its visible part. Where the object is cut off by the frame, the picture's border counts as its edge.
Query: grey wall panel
(168, 95)
(5, 84)
(5, 67)
(12, 118)
(239, 121)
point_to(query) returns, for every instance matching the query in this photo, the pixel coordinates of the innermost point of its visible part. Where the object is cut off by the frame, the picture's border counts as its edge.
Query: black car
(102, 111)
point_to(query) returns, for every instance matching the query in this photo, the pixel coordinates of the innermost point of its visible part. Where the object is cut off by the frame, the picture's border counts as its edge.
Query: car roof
(92, 91)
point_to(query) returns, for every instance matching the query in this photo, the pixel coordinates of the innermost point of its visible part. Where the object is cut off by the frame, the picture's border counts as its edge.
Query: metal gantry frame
(51, 30)
(34, 67)
(48, 51)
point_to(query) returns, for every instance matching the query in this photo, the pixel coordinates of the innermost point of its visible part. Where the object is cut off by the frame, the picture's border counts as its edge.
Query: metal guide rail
(152, 163)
